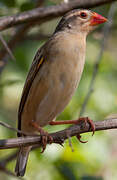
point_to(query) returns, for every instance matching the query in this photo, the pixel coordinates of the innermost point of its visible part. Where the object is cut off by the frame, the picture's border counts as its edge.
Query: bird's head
(80, 21)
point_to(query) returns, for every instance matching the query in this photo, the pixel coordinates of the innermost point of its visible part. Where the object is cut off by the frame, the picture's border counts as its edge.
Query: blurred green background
(95, 160)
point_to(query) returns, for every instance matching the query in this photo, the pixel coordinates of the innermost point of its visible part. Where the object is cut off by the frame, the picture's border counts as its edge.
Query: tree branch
(48, 12)
(60, 136)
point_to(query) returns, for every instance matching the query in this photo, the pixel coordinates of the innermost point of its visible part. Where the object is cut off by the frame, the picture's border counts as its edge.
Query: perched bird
(54, 76)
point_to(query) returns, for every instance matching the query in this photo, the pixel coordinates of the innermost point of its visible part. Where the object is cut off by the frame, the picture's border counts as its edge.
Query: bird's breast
(65, 76)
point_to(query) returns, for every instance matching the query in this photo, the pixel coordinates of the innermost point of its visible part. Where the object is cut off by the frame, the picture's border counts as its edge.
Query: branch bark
(60, 136)
(48, 12)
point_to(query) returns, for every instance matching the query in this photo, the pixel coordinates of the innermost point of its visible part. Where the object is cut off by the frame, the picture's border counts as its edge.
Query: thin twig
(7, 48)
(105, 32)
(60, 136)
(13, 129)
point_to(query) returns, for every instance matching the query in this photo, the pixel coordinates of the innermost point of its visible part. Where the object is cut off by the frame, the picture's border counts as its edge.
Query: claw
(46, 138)
(91, 125)
(50, 139)
(44, 142)
(79, 138)
(88, 120)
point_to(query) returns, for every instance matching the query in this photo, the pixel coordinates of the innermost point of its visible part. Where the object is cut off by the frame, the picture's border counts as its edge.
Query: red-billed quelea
(53, 78)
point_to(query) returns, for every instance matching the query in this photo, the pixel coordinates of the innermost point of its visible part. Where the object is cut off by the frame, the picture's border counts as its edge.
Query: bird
(54, 75)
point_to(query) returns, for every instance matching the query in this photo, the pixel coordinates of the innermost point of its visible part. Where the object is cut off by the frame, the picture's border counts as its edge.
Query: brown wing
(36, 65)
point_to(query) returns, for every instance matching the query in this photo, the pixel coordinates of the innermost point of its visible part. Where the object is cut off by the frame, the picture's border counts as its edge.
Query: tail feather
(22, 161)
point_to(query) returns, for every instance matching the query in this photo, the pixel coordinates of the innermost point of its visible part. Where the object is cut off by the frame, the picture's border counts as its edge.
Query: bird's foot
(78, 121)
(45, 137)
(87, 120)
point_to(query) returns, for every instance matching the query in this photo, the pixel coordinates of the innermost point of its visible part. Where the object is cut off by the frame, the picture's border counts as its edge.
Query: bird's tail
(22, 160)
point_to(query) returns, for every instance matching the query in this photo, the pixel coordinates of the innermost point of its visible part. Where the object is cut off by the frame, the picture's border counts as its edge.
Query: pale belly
(49, 95)
(55, 101)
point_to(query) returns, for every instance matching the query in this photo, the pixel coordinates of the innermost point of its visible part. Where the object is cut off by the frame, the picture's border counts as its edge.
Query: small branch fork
(60, 136)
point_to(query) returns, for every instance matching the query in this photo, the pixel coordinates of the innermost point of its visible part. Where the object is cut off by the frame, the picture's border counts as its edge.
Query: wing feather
(36, 65)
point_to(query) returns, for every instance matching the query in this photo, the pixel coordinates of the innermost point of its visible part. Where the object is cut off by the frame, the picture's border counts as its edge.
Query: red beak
(97, 19)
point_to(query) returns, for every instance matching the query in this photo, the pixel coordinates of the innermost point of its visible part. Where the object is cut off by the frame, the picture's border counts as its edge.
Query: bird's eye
(83, 15)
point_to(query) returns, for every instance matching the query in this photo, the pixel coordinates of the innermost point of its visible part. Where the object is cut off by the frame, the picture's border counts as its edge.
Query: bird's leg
(78, 121)
(45, 137)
